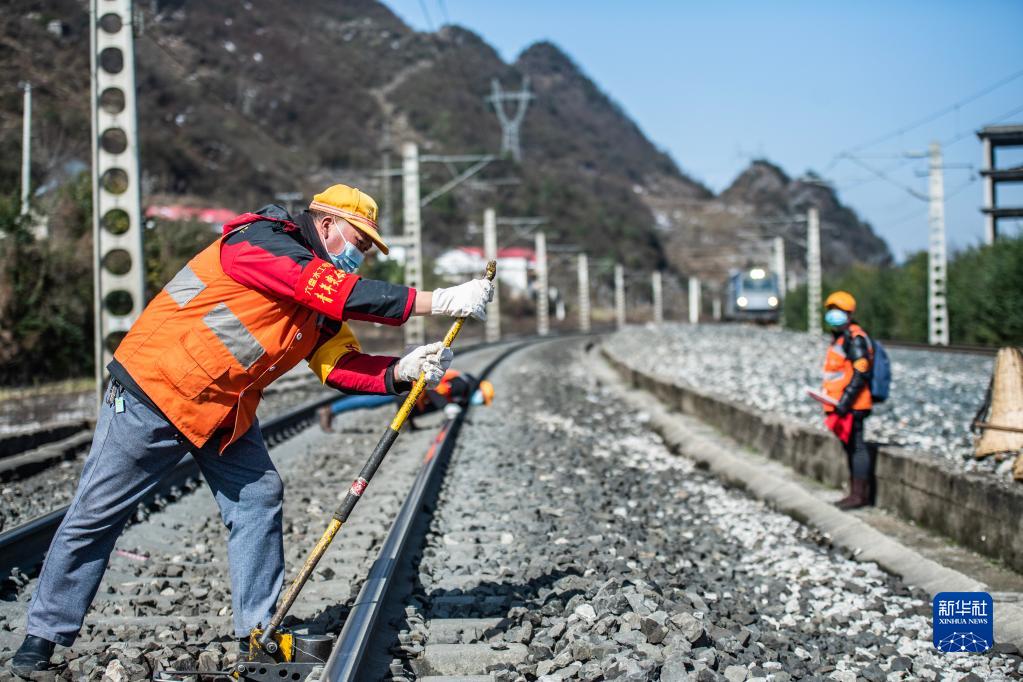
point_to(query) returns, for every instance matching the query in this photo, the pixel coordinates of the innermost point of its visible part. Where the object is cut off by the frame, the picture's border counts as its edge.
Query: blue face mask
(836, 317)
(349, 259)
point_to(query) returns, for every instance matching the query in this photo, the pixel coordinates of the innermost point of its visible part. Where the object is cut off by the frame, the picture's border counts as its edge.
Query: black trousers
(858, 454)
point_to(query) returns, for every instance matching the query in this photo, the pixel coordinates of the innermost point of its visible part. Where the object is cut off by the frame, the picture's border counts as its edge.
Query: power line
(426, 14)
(907, 158)
(933, 115)
(444, 11)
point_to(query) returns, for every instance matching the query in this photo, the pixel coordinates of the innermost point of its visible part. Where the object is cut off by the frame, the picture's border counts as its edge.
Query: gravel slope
(616, 560)
(934, 395)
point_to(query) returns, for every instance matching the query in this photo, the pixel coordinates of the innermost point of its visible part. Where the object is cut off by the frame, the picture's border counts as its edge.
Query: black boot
(32, 656)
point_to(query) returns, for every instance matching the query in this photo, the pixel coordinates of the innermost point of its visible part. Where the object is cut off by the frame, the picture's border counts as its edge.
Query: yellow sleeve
(327, 355)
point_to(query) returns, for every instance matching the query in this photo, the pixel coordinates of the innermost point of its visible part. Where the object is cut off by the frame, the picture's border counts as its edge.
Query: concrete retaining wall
(971, 509)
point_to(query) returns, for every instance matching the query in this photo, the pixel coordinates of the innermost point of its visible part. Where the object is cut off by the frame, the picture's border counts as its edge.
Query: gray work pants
(131, 451)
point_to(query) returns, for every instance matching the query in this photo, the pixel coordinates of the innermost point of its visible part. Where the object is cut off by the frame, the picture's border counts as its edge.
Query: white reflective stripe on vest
(233, 333)
(833, 376)
(185, 286)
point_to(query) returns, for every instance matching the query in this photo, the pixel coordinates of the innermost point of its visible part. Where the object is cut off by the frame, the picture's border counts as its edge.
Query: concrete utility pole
(510, 124)
(813, 273)
(584, 293)
(658, 298)
(779, 273)
(26, 149)
(619, 297)
(937, 260)
(715, 308)
(695, 298)
(779, 266)
(990, 222)
(119, 268)
(542, 300)
(492, 329)
(386, 222)
(415, 328)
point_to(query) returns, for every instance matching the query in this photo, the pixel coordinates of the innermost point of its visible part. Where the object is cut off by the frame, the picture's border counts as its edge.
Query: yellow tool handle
(265, 638)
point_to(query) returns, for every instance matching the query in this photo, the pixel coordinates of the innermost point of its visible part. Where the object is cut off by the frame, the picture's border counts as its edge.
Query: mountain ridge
(240, 102)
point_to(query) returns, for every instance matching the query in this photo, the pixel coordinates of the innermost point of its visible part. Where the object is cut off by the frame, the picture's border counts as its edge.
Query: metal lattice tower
(510, 124)
(937, 261)
(813, 273)
(493, 323)
(415, 328)
(119, 278)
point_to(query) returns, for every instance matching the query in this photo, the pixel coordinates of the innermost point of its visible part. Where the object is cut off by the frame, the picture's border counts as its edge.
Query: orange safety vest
(838, 371)
(206, 346)
(443, 389)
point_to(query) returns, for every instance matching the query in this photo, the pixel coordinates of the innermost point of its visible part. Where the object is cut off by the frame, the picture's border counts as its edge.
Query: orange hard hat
(842, 300)
(487, 389)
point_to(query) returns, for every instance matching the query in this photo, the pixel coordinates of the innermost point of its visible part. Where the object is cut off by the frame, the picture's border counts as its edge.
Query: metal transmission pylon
(119, 279)
(813, 273)
(493, 323)
(510, 124)
(415, 328)
(937, 262)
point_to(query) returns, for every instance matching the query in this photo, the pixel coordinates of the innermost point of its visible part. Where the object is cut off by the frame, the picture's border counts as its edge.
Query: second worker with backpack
(855, 369)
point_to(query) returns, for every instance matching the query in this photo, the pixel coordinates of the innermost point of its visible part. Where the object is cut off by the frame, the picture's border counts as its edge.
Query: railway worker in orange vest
(847, 370)
(271, 292)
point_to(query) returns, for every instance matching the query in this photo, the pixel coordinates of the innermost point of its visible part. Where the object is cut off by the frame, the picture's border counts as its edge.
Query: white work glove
(432, 360)
(465, 300)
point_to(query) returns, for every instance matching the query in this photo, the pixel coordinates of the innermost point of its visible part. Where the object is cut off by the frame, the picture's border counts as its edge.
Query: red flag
(840, 426)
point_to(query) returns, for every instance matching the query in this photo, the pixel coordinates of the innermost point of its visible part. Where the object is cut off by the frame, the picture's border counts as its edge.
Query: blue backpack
(880, 373)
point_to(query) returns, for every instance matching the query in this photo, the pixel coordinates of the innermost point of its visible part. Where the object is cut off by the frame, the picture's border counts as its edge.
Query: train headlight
(742, 301)
(773, 301)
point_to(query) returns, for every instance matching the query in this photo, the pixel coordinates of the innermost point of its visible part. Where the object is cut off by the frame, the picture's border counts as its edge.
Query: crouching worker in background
(847, 372)
(454, 391)
(272, 291)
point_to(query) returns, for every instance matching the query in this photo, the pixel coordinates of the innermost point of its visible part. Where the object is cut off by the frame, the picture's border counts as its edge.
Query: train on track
(753, 295)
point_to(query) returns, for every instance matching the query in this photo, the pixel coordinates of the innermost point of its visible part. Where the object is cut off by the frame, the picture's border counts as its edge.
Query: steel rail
(349, 651)
(963, 349)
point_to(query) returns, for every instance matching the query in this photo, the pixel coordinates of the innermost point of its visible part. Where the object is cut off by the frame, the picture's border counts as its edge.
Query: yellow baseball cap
(353, 205)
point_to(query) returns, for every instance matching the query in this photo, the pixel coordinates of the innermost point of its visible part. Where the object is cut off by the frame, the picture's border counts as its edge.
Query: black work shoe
(243, 646)
(32, 656)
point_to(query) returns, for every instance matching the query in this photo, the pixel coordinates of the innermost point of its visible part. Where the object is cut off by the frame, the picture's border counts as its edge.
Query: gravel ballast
(600, 555)
(934, 395)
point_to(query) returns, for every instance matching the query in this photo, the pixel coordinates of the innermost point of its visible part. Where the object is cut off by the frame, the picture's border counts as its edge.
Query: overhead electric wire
(932, 116)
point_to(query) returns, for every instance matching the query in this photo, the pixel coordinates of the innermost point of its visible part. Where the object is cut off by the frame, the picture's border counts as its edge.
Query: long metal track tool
(265, 639)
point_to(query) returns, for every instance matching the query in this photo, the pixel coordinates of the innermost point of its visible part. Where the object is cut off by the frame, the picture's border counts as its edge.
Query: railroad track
(23, 547)
(964, 349)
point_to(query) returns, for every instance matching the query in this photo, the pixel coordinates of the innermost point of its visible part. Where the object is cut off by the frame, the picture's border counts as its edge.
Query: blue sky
(718, 83)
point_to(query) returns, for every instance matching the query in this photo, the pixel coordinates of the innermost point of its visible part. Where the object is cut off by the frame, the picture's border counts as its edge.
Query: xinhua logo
(964, 621)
